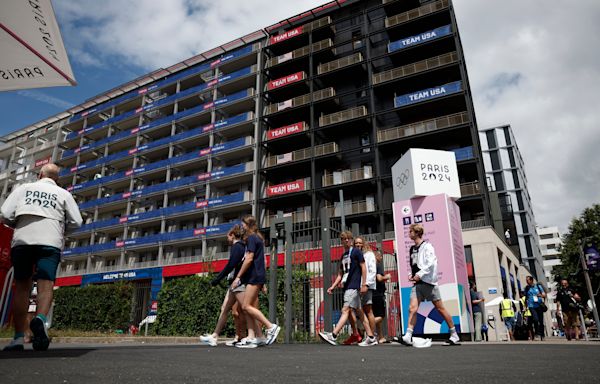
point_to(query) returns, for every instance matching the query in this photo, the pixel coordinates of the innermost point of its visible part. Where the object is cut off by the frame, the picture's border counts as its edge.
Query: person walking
(379, 309)
(568, 308)
(253, 271)
(41, 213)
(535, 297)
(507, 314)
(371, 280)
(476, 302)
(236, 255)
(424, 276)
(352, 275)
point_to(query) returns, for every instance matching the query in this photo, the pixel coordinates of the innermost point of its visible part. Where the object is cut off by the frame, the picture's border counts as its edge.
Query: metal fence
(307, 256)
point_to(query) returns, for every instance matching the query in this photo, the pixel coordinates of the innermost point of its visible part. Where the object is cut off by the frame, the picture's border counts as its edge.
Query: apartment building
(277, 122)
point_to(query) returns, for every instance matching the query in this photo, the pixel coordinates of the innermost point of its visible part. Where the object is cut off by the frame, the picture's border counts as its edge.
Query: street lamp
(588, 282)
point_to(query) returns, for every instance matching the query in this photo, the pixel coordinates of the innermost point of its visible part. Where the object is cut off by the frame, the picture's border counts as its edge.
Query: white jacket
(371, 264)
(427, 263)
(40, 213)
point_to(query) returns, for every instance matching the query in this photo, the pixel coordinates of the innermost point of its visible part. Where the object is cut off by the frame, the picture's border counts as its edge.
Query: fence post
(327, 299)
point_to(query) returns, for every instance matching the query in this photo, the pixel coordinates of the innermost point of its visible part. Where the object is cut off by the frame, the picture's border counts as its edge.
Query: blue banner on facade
(420, 38)
(428, 94)
(592, 256)
(135, 274)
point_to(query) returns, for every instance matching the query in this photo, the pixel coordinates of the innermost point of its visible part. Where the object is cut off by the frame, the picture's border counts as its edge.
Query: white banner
(33, 54)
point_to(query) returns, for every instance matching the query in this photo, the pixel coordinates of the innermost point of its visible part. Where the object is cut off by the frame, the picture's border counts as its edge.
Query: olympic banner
(440, 217)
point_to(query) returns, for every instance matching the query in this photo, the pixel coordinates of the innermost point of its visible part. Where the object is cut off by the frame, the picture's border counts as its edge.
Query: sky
(532, 64)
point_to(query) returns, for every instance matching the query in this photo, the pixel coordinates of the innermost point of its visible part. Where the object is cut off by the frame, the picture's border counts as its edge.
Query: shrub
(93, 308)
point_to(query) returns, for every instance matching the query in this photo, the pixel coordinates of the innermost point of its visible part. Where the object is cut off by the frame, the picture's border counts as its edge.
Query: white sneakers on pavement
(368, 342)
(208, 340)
(328, 337)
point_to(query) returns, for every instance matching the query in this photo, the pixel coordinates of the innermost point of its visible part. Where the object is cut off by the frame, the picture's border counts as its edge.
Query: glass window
(491, 138)
(507, 135)
(499, 181)
(495, 160)
(516, 178)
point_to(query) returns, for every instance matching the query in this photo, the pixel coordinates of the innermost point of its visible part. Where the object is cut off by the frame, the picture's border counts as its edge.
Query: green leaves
(104, 307)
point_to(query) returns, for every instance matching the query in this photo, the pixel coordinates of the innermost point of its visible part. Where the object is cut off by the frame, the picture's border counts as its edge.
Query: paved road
(316, 363)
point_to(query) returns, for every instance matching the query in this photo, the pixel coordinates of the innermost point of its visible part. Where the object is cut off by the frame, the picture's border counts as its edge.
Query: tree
(584, 228)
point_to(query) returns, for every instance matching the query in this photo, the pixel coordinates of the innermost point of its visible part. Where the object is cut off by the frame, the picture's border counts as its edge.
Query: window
(507, 135)
(491, 138)
(499, 181)
(495, 160)
(520, 201)
(515, 175)
(524, 222)
(511, 158)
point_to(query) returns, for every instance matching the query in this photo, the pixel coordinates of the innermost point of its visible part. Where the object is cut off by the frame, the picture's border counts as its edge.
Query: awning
(32, 51)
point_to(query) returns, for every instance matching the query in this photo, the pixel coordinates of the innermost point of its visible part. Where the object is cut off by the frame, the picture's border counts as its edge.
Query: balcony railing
(423, 127)
(338, 117)
(351, 208)
(419, 66)
(347, 176)
(415, 13)
(470, 189)
(318, 46)
(297, 217)
(472, 224)
(302, 154)
(300, 100)
(339, 63)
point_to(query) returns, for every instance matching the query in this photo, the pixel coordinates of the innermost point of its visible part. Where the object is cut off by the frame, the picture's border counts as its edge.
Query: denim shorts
(42, 259)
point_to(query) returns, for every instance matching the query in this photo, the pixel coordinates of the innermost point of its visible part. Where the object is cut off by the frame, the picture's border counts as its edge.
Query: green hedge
(93, 308)
(189, 306)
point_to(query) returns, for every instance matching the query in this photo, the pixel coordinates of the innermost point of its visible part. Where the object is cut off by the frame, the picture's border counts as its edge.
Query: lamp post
(588, 282)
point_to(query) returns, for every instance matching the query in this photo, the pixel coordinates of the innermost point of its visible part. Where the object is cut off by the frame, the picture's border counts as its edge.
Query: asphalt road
(313, 363)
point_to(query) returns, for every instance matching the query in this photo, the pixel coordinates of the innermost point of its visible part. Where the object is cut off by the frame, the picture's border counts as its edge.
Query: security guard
(507, 313)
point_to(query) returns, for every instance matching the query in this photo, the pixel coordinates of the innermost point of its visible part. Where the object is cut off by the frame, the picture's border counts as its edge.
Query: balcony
(473, 224)
(351, 208)
(423, 127)
(470, 189)
(415, 13)
(302, 154)
(297, 217)
(347, 176)
(300, 52)
(338, 117)
(300, 100)
(419, 66)
(339, 63)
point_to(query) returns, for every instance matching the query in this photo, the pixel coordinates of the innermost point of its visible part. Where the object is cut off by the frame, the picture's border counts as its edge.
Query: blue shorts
(42, 259)
(510, 322)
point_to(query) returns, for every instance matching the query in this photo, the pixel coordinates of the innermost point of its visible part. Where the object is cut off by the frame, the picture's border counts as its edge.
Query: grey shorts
(239, 288)
(351, 298)
(425, 292)
(367, 298)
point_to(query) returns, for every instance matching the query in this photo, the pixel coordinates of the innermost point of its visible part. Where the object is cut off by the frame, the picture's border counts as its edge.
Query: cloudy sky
(532, 64)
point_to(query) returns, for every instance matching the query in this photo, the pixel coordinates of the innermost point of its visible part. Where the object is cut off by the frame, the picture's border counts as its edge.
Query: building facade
(505, 172)
(550, 242)
(277, 122)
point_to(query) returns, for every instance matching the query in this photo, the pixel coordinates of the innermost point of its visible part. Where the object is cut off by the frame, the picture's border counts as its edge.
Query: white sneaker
(328, 337)
(453, 340)
(261, 342)
(208, 340)
(247, 343)
(232, 343)
(15, 345)
(368, 342)
(406, 339)
(272, 334)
